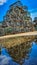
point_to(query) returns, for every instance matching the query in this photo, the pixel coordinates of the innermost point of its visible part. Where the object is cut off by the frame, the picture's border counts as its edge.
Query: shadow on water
(23, 54)
(20, 52)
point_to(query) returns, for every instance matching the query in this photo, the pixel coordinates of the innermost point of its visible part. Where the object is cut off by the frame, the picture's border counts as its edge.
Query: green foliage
(36, 28)
(8, 30)
(1, 31)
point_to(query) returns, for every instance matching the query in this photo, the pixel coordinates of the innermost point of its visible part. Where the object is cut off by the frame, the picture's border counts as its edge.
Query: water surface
(30, 58)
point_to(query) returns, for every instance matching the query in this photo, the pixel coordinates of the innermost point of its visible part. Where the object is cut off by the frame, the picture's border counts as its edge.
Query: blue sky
(4, 6)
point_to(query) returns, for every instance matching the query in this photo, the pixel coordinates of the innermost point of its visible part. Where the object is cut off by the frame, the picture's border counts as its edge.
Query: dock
(17, 39)
(20, 34)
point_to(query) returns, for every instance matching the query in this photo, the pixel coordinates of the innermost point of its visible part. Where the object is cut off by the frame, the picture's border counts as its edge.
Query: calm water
(6, 59)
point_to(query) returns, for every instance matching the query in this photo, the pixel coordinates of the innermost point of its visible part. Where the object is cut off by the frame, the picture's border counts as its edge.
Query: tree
(35, 23)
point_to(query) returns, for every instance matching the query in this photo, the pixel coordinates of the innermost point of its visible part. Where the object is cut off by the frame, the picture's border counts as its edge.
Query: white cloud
(2, 2)
(33, 15)
(4, 60)
(33, 10)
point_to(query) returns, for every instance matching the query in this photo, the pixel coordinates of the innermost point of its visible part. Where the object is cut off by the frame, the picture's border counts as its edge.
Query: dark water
(7, 59)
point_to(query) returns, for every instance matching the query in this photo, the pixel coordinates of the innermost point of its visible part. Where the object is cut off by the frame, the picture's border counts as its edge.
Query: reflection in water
(0, 50)
(36, 39)
(23, 54)
(4, 60)
(20, 52)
